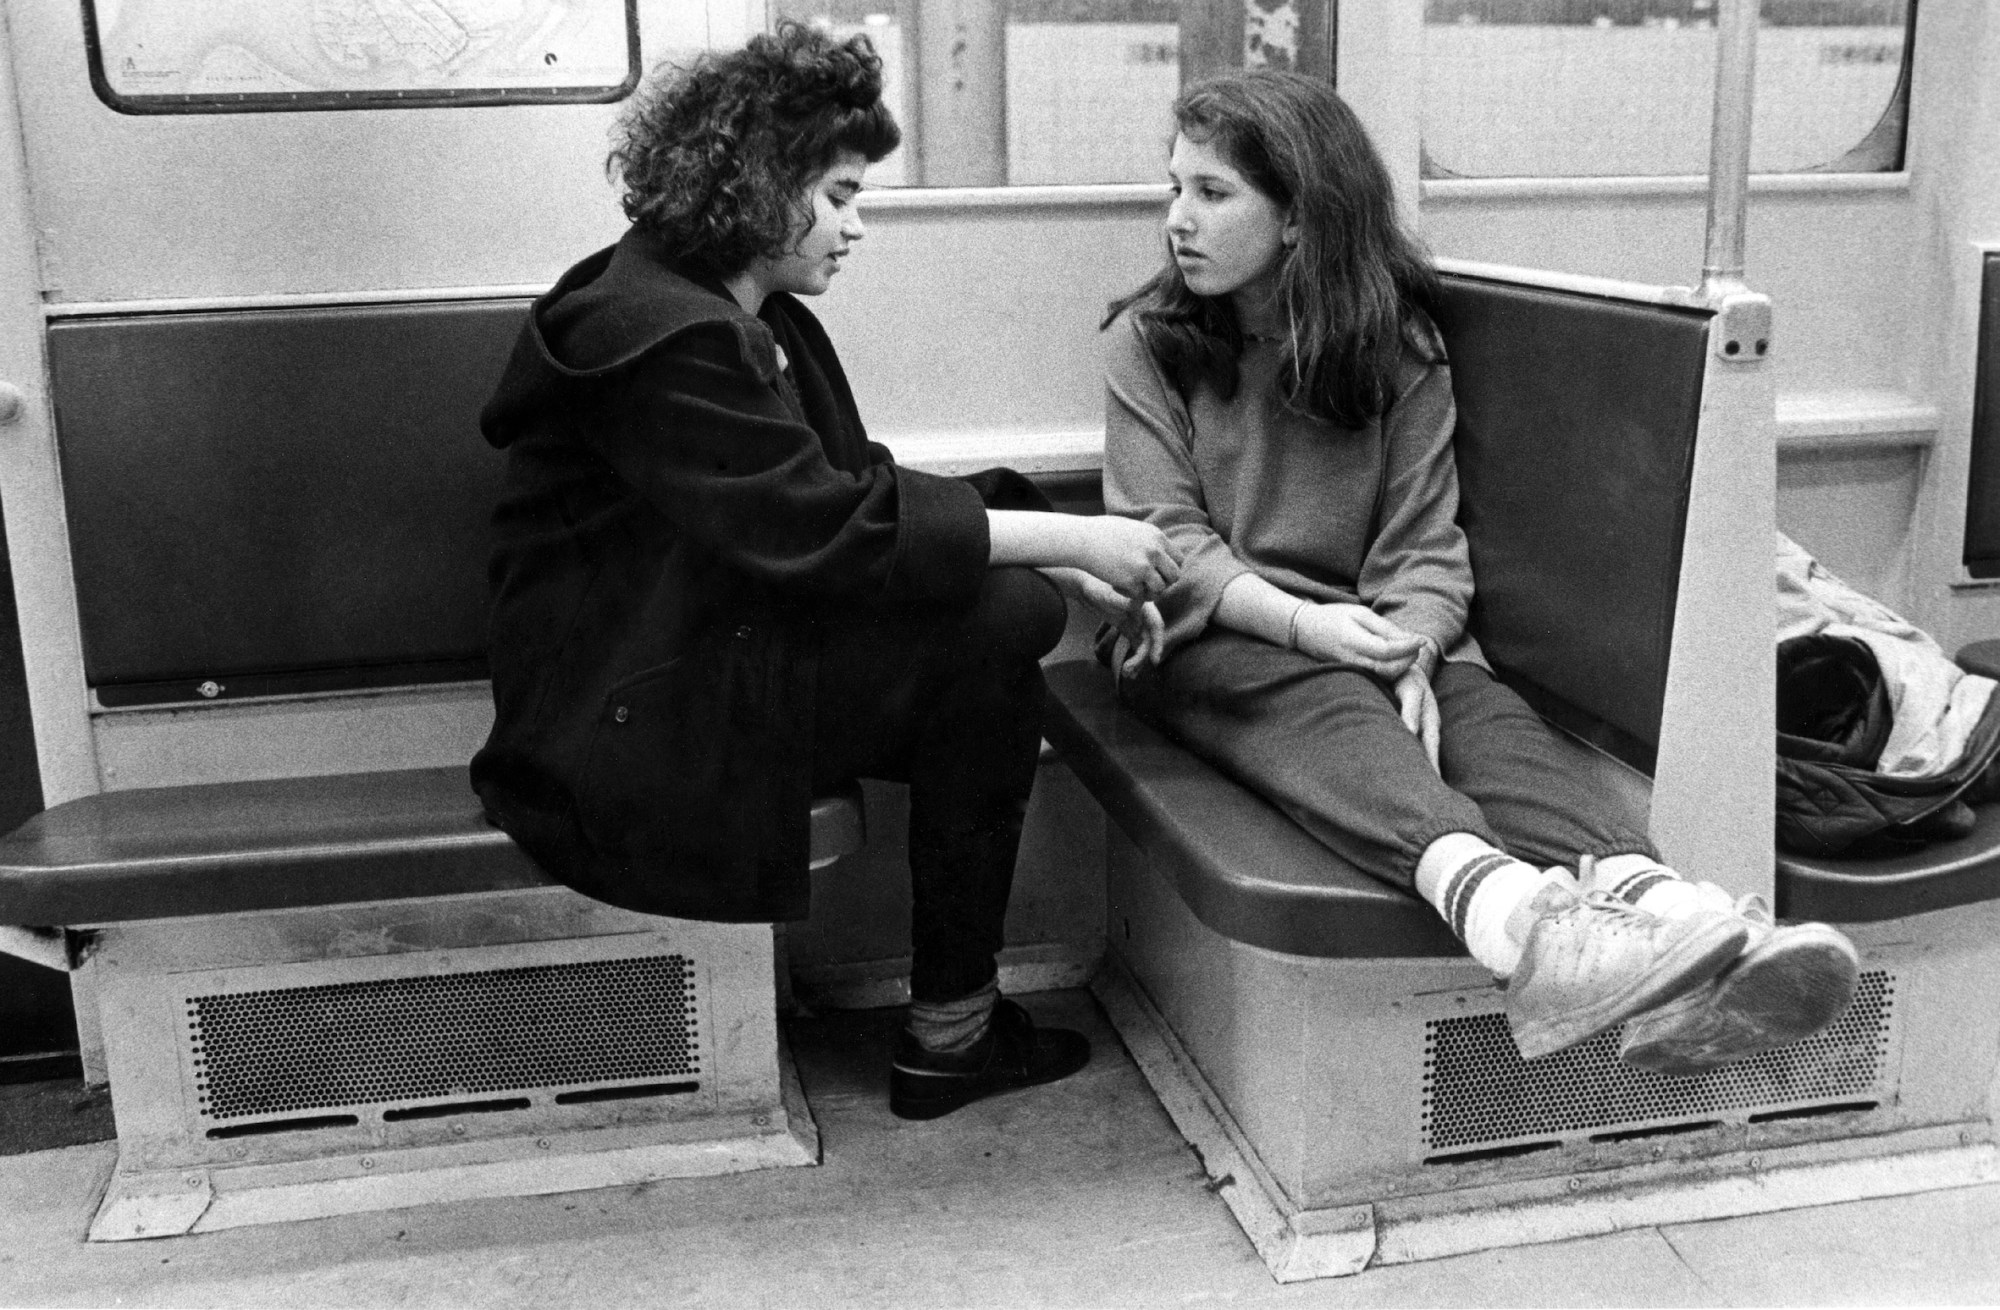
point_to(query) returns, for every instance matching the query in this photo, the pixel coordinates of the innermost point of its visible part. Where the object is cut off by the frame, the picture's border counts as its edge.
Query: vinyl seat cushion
(1251, 874)
(1936, 877)
(221, 848)
(1242, 867)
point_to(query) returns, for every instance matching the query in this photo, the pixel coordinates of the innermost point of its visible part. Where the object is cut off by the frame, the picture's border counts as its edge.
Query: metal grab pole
(1729, 147)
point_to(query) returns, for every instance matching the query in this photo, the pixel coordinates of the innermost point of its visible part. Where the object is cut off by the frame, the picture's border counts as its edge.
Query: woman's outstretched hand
(1135, 559)
(1358, 638)
(1419, 708)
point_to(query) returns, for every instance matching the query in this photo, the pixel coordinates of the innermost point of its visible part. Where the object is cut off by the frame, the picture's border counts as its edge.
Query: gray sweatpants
(1326, 746)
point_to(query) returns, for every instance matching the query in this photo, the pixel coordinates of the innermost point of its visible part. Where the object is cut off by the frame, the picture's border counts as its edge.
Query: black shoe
(1013, 1053)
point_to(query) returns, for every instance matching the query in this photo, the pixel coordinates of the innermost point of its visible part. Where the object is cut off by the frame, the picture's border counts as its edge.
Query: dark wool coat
(689, 496)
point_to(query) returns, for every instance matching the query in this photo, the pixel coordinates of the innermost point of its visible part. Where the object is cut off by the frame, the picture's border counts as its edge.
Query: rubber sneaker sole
(1704, 952)
(1783, 990)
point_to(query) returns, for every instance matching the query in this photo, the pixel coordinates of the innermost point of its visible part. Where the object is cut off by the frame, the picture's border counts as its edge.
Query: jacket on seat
(1882, 740)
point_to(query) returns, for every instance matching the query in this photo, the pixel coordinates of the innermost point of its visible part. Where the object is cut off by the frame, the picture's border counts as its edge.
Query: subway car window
(1609, 88)
(182, 56)
(1056, 92)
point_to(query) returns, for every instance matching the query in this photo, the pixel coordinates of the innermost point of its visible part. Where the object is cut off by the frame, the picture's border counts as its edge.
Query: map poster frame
(251, 102)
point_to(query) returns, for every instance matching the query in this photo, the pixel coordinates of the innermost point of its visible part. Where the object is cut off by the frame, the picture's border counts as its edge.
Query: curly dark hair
(715, 155)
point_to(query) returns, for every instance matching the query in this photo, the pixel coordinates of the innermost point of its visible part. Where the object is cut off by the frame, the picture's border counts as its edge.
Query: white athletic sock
(1481, 891)
(1644, 883)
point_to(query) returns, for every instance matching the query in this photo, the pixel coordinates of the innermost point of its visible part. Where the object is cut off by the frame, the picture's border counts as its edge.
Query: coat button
(621, 714)
(743, 633)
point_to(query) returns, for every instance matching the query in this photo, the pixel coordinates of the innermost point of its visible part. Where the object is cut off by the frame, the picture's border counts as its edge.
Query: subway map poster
(154, 56)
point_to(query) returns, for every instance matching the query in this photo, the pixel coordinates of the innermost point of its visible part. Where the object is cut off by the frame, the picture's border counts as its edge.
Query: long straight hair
(1356, 289)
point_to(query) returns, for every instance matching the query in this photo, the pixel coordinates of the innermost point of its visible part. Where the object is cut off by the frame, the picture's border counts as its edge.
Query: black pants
(950, 702)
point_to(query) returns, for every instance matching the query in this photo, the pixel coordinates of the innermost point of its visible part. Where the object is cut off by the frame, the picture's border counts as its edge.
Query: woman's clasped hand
(1356, 637)
(1418, 706)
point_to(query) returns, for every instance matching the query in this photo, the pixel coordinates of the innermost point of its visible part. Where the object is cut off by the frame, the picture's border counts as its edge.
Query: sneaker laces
(1604, 900)
(1622, 913)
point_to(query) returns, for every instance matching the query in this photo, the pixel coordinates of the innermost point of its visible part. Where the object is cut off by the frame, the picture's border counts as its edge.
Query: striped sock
(1478, 890)
(1644, 883)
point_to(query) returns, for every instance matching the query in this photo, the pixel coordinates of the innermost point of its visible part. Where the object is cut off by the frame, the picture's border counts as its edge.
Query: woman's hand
(1358, 638)
(1135, 559)
(1142, 634)
(1419, 707)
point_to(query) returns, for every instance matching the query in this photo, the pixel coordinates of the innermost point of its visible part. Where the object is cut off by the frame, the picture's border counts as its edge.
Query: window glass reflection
(1568, 88)
(1027, 92)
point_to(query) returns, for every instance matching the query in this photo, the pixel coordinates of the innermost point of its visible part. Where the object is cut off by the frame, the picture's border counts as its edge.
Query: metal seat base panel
(1302, 1083)
(488, 1065)
(163, 1203)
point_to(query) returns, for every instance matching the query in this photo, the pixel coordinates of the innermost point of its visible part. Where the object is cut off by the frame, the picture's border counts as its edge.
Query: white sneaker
(1790, 982)
(1594, 961)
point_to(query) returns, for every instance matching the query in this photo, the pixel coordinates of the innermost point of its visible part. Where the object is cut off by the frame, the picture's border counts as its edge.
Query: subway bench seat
(320, 995)
(343, 992)
(1345, 1072)
(1350, 1081)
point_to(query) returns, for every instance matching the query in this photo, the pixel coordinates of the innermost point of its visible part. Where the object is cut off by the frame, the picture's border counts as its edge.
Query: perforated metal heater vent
(1478, 1091)
(406, 1039)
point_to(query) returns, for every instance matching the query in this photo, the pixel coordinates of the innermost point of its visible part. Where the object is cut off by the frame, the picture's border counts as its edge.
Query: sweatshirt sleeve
(700, 429)
(1150, 474)
(1418, 571)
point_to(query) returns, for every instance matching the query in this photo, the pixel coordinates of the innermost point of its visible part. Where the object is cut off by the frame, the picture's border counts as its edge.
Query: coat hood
(606, 312)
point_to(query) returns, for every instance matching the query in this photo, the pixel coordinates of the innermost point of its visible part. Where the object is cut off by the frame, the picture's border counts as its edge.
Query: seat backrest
(280, 500)
(298, 499)
(1576, 435)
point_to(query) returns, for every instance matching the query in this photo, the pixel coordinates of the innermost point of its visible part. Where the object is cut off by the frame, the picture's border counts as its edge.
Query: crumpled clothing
(1833, 720)
(1935, 706)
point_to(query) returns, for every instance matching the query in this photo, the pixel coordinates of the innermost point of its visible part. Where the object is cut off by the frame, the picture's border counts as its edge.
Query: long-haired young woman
(1280, 406)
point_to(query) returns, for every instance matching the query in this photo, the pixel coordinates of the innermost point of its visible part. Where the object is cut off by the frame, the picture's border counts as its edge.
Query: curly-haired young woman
(713, 596)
